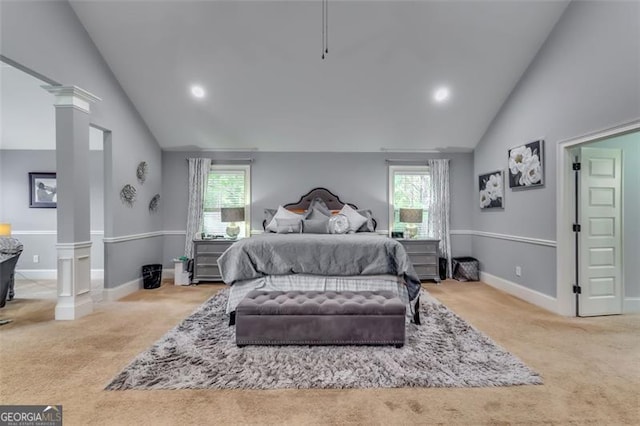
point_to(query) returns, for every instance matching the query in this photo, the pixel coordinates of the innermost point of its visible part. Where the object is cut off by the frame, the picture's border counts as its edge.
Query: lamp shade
(232, 214)
(411, 215)
(5, 229)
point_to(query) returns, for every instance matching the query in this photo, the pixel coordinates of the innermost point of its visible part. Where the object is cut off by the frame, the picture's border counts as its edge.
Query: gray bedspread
(317, 254)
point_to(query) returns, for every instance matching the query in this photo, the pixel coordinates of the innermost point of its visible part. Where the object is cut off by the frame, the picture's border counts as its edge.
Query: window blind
(225, 188)
(409, 189)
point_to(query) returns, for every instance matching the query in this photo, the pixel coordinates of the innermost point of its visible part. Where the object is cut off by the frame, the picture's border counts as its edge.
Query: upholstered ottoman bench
(320, 318)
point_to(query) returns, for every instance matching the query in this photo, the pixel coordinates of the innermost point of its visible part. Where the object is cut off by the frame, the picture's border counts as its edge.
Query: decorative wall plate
(141, 171)
(154, 204)
(128, 195)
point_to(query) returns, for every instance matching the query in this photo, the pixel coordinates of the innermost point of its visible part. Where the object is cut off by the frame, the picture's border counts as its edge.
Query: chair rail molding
(508, 237)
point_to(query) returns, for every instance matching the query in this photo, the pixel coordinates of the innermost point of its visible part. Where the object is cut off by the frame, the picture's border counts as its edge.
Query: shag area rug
(444, 351)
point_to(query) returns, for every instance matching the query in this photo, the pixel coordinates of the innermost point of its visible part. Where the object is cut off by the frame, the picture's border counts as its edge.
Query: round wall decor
(154, 204)
(141, 171)
(128, 195)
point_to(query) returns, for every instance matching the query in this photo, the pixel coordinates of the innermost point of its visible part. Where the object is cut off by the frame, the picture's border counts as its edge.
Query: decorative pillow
(282, 213)
(368, 225)
(268, 216)
(338, 224)
(319, 204)
(317, 213)
(356, 220)
(288, 226)
(315, 226)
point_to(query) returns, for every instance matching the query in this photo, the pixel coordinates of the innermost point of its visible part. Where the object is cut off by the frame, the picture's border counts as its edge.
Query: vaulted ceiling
(268, 88)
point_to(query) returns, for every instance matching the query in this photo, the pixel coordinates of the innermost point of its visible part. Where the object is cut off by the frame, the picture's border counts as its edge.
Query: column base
(74, 280)
(74, 308)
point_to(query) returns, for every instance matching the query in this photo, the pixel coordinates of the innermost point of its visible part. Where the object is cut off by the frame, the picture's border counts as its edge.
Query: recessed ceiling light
(441, 94)
(197, 91)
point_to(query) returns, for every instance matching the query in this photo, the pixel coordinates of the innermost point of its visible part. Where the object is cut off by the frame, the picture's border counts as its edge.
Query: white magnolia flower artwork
(491, 187)
(525, 165)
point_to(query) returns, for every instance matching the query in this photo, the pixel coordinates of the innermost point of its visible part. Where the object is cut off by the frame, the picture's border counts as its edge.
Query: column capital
(72, 97)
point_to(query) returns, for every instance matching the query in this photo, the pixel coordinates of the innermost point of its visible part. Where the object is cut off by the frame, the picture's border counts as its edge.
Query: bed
(288, 261)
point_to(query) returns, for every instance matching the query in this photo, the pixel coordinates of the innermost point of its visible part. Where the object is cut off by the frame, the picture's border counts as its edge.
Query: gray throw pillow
(319, 204)
(368, 225)
(289, 226)
(317, 214)
(315, 226)
(268, 216)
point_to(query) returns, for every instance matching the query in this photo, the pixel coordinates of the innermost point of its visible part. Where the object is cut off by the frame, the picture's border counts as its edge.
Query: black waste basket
(151, 276)
(465, 269)
(443, 268)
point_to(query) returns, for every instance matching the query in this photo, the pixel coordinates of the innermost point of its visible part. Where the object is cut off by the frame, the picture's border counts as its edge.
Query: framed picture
(43, 190)
(491, 186)
(526, 165)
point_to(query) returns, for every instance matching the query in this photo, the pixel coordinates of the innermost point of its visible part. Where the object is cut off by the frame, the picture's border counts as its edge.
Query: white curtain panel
(438, 223)
(198, 175)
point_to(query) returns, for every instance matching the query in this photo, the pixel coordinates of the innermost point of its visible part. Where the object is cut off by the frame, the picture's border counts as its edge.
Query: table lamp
(411, 217)
(232, 215)
(5, 229)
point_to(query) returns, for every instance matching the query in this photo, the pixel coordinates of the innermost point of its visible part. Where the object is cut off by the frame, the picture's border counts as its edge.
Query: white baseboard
(631, 305)
(168, 274)
(52, 274)
(521, 292)
(113, 294)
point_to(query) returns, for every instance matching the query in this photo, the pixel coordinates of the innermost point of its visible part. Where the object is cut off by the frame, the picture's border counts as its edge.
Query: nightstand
(424, 256)
(205, 259)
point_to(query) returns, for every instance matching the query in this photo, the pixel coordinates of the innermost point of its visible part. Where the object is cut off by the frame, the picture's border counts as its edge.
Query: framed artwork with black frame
(491, 187)
(526, 165)
(43, 190)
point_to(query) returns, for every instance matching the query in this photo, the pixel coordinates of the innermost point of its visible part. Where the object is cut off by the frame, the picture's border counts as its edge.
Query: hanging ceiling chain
(325, 27)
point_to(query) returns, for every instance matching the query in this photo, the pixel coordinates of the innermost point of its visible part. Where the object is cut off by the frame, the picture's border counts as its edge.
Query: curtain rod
(400, 160)
(228, 160)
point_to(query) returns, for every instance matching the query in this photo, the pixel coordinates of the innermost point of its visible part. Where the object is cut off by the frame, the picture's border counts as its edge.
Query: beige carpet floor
(590, 368)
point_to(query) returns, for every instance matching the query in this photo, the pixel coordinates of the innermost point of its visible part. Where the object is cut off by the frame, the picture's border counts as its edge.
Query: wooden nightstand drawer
(417, 258)
(417, 246)
(428, 271)
(208, 271)
(207, 259)
(214, 247)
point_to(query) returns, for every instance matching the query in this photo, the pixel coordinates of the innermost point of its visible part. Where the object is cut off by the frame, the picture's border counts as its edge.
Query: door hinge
(577, 289)
(576, 166)
(576, 227)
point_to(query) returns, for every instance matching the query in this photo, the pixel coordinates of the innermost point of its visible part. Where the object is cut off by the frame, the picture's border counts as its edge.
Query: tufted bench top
(260, 302)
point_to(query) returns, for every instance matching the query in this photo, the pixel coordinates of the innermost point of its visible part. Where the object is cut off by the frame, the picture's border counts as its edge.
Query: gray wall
(33, 226)
(630, 146)
(584, 78)
(48, 38)
(279, 178)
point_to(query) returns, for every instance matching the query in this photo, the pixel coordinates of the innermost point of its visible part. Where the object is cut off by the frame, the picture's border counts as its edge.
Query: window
(408, 188)
(227, 186)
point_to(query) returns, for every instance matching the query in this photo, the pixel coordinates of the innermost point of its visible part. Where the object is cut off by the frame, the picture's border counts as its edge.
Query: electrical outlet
(36, 258)
(518, 271)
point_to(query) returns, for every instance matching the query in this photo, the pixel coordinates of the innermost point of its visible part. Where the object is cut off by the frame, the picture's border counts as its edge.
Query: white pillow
(338, 224)
(356, 220)
(282, 213)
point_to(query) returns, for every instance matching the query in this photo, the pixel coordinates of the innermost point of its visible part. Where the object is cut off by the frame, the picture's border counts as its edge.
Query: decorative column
(72, 164)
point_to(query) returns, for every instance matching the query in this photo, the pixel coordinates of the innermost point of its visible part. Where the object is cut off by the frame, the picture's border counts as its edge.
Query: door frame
(565, 199)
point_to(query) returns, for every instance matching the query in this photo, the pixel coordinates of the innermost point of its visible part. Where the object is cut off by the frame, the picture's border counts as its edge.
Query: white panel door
(600, 248)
